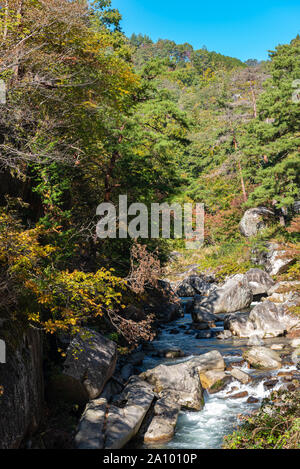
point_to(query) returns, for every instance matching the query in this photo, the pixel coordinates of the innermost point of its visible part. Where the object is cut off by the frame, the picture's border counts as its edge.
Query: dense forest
(91, 114)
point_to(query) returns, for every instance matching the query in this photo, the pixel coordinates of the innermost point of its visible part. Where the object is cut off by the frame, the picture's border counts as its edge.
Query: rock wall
(21, 377)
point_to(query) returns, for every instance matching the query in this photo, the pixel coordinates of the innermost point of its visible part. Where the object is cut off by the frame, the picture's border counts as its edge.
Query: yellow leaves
(72, 321)
(45, 299)
(72, 298)
(62, 353)
(34, 317)
(58, 301)
(90, 104)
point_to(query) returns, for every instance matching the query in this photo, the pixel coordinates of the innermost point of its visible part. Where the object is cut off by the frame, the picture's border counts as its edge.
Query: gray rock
(272, 319)
(195, 284)
(282, 292)
(180, 383)
(254, 340)
(200, 284)
(208, 361)
(185, 289)
(296, 356)
(255, 220)
(90, 433)
(162, 426)
(234, 295)
(295, 343)
(262, 358)
(224, 335)
(188, 305)
(296, 207)
(200, 315)
(267, 319)
(260, 282)
(124, 422)
(273, 258)
(201, 326)
(90, 363)
(238, 324)
(240, 375)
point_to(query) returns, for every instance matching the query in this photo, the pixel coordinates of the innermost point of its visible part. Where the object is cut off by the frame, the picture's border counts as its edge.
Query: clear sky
(239, 28)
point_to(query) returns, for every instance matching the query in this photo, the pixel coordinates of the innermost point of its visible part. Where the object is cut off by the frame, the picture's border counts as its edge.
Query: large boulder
(262, 358)
(238, 324)
(282, 292)
(185, 289)
(21, 376)
(234, 295)
(162, 426)
(180, 383)
(273, 258)
(90, 363)
(201, 315)
(125, 419)
(273, 319)
(201, 284)
(267, 319)
(208, 361)
(255, 220)
(260, 281)
(195, 284)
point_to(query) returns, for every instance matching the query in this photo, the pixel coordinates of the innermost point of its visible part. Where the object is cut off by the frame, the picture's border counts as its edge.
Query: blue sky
(242, 29)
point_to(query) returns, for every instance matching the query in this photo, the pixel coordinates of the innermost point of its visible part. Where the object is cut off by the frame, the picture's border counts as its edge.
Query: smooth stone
(262, 358)
(124, 422)
(90, 363)
(162, 426)
(90, 433)
(240, 376)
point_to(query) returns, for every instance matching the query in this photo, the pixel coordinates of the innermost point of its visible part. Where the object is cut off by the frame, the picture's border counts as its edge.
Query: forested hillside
(90, 115)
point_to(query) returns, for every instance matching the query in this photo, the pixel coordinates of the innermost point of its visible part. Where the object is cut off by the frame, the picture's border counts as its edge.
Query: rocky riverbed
(228, 349)
(219, 416)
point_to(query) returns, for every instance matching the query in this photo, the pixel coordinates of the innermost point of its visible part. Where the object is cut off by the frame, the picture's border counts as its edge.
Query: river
(205, 429)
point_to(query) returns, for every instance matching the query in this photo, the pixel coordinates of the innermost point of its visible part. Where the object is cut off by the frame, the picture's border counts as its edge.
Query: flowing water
(205, 429)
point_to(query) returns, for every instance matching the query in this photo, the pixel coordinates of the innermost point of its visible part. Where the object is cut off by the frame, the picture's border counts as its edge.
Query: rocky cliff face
(22, 380)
